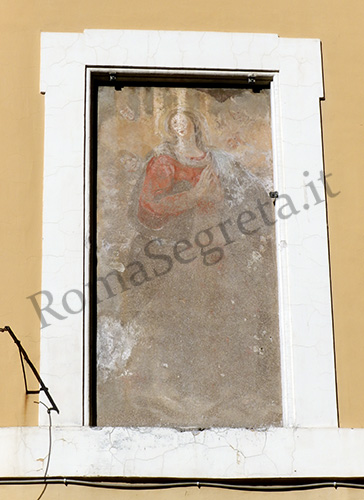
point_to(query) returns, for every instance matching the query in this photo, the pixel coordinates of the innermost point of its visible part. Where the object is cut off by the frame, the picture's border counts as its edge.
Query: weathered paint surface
(189, 335)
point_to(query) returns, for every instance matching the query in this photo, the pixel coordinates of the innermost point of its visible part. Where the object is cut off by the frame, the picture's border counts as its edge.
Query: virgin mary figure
(185, 176)
(208, 320)
(211, 318)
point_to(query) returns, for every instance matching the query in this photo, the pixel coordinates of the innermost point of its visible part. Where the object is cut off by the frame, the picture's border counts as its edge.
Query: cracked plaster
(214, 453)
(308, 373)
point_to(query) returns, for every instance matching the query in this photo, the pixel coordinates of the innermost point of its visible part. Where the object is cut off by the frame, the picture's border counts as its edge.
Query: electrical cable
(49, 448)
(140, 486)
(182, 484)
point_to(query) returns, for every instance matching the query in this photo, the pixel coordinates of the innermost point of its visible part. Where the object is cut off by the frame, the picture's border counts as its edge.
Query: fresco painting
(187, 314)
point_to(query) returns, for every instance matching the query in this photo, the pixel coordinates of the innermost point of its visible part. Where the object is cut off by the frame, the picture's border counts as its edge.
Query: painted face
(182, 125)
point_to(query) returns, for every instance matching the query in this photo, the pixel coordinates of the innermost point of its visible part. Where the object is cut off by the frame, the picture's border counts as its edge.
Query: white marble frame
(308, 373)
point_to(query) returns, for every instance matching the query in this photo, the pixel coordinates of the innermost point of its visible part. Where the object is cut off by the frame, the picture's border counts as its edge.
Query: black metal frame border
(119, 77)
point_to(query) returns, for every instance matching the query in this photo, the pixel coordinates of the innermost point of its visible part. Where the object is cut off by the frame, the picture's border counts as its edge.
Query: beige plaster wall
(338, 24)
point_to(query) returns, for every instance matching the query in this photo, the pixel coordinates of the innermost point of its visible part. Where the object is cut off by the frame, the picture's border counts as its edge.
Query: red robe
(158, 202)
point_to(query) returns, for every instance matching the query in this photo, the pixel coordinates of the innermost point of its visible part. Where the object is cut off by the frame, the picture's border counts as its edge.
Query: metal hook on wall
(24, 356)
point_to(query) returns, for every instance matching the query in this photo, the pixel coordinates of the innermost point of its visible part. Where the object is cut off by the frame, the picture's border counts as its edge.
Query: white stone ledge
(214, 453)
